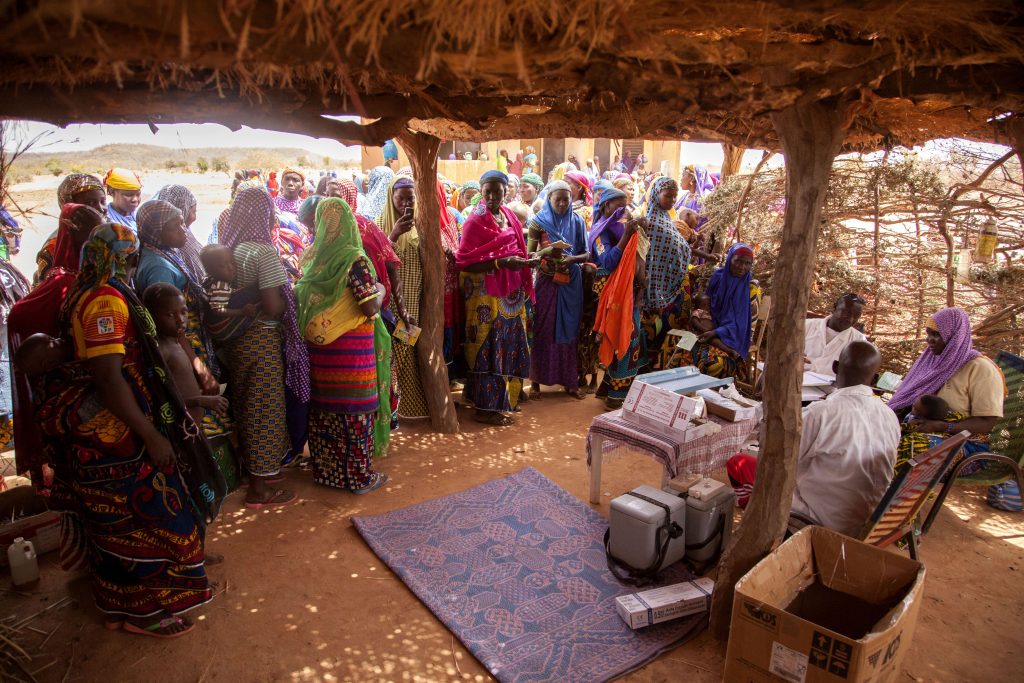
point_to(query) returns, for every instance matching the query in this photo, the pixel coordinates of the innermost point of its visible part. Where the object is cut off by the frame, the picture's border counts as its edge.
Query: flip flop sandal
(378, 481)
(272, 501)
(275, 479)
(153, 629)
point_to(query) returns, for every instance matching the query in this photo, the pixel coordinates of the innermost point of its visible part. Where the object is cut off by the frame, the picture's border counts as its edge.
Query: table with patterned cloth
(702, 456)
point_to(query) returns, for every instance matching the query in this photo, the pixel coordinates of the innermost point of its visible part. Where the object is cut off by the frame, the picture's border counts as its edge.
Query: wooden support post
(810, 135)
(422, 150)
(732, 159)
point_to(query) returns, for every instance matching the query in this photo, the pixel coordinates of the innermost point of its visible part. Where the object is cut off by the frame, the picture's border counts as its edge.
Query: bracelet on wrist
(497, 265)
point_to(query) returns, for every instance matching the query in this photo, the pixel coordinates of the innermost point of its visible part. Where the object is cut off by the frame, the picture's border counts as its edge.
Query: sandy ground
(306, 600)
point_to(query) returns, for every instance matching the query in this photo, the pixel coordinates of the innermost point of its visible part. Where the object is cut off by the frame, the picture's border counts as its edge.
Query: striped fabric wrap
(343, 373)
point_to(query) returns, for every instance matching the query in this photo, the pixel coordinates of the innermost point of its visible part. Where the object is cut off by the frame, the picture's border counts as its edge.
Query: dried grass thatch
(471, 70)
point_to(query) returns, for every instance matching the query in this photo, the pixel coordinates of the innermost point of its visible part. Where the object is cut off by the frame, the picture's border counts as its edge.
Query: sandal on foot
(279, 498)
(158, 629)
(577, 394)
(376, 481)
(493, 418)
(273, 479)
(534, 394)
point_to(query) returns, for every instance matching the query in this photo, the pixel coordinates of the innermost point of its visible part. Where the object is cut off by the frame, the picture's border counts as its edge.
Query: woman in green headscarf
(349, 353)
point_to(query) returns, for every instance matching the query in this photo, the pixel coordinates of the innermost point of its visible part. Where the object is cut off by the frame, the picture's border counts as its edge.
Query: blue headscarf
(611, 223)
(730, 303)
(567, 227)
(390, 150)
(493, 175)
(600, 187)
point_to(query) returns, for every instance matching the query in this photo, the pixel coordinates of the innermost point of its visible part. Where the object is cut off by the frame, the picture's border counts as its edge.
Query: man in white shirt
(847, 449)
(825, 338)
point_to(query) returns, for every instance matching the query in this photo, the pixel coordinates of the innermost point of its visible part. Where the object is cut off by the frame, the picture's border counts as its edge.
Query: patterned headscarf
(151, 218)
(377, 193)
(105, 257)
(181, 197)
(75, 183)
(326, 264)
(533, 179)
(389, 216)
(178, 196)
(349, 192)
(583, 181)
(252, 219)
(669, 255)
(930, 372)
(289, 169)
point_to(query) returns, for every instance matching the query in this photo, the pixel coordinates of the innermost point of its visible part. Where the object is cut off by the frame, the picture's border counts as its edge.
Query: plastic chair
(1007, 442)
(893, 518)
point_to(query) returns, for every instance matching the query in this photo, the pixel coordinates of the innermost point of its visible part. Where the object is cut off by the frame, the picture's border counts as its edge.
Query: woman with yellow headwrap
(125, 189)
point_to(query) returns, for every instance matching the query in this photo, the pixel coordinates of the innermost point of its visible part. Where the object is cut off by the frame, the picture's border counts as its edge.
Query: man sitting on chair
(825, 338)
(847, 449)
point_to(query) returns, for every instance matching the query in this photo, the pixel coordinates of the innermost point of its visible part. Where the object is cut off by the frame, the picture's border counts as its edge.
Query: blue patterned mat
(516, 569)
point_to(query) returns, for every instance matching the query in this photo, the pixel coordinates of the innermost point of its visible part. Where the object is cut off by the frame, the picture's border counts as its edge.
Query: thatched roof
(463, 69)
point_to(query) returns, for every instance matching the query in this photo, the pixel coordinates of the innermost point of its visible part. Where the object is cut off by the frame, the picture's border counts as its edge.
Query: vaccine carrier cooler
(645, 524)
(709, 509)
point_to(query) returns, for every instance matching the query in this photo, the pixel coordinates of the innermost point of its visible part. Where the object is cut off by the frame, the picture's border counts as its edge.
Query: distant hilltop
(151, 157)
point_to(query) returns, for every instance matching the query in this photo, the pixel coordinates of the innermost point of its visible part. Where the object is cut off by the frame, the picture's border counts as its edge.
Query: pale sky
(86, 136)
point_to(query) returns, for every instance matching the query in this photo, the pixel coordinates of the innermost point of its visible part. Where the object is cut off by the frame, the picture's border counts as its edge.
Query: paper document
(686, 339)
(408, 334)
(816, 379)
(889, 381)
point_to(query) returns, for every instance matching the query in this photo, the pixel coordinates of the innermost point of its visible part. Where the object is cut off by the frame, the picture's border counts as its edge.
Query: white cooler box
(709, 507)
(635, 528)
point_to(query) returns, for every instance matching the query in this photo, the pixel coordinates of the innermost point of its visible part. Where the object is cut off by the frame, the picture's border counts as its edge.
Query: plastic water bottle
(24, 567)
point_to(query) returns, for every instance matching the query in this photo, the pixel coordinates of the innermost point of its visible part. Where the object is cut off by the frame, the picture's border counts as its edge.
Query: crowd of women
(305, 306)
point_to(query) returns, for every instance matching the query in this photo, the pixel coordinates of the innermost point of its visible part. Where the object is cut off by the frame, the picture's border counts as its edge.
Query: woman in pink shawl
(496, 285)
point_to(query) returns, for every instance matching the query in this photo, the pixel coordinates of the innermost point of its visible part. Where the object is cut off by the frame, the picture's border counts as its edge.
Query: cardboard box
(698, 428)
(824, 608)
(652, 406)
(732, 409)
(662, 604)
(33, 521)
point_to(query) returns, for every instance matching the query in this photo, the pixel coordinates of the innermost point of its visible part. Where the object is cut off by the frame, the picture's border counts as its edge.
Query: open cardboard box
(25, 514)
(824, 608)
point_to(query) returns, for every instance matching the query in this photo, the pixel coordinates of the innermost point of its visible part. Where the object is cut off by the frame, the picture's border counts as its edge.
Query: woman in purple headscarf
(950, 368)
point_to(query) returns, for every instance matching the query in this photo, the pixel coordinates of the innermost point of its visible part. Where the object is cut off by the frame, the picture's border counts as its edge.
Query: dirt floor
(304, 599)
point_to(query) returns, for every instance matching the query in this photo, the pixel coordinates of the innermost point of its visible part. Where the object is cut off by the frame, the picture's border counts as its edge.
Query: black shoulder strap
(625, 572)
